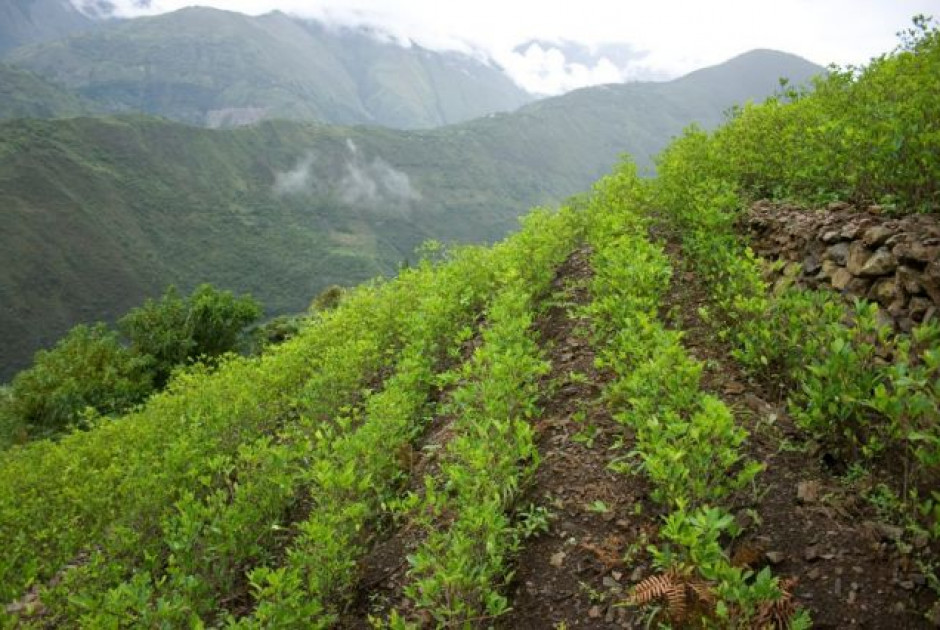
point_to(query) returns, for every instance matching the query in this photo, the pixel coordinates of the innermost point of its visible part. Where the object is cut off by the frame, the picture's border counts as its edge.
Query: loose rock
(881, 263)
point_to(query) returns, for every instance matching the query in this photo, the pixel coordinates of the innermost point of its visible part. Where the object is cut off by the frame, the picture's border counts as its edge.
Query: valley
(668, 356)
(104, 212)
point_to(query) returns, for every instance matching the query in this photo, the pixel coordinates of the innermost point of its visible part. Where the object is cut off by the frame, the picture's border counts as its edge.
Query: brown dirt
(383, 569)
(801, 519)
(849, 572)
(576, 573)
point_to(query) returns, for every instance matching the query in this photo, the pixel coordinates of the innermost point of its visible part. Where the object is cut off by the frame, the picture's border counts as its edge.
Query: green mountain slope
(100, 213)
(215, 68)
(30, 21)
(24, 94)
(616, 370)
(583, 132)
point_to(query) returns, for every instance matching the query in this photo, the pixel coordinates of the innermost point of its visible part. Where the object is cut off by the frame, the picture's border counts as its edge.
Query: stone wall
(894, 261)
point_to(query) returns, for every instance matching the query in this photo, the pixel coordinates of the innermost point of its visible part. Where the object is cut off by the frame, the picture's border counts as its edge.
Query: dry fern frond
(703, 590)
(777, 614)
(654, 587)
(674, 588)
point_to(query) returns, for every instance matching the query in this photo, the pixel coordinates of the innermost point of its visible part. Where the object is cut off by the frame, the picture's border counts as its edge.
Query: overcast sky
(668, 37)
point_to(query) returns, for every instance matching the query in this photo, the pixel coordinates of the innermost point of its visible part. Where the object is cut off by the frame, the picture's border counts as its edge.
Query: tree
(174, 330)
(88, 368)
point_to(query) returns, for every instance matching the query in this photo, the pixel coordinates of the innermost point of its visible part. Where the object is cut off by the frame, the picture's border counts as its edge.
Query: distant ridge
(210, 67)
(101, 213)
(31, 21)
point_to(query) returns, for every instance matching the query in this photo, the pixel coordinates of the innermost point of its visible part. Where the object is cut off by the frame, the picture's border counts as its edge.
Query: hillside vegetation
(102, 213)
(404, 432)
(23, 94)
(217, 68)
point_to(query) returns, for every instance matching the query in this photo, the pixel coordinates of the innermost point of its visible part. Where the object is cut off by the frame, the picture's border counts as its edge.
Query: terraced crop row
(460, 568)
(103, 494)
(338, 471)
(200, 508)
(686, 442)
(842, 390)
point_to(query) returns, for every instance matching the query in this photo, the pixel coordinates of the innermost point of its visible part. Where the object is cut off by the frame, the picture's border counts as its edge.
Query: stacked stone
(894, 261)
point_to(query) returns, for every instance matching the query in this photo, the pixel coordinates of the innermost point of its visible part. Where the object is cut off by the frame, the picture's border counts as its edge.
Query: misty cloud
(374, 183)
(369, 183)
(296, 181)
(103, 9)
(554, 68)
(672, 30)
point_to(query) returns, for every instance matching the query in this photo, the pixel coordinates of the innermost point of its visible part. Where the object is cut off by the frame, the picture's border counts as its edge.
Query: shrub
(328, 299)
(88, 368)
(174, 330)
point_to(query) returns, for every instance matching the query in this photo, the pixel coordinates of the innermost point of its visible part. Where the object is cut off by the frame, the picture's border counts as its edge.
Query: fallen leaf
(734, 388)
(807, 491)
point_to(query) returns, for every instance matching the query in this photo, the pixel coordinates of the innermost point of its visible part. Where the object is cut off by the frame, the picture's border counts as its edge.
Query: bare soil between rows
(801, 519)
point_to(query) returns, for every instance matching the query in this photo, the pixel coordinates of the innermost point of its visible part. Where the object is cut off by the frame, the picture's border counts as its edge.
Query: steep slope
(612, 419)
(31, 21)
(23, 94)
(585, 131)
(209, 67)
(102, 213)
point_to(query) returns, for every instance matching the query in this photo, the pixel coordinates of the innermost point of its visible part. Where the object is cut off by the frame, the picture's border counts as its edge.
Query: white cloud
(297, 180)
(372, 184)
(679, 35)
(547, 71)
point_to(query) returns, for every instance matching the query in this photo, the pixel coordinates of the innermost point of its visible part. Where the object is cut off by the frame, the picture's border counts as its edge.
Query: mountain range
(218, 68)
(103, 212)
(31, 21)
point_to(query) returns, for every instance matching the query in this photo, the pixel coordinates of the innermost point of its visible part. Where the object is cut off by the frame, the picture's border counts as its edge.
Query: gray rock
(775, 557)
(876, 236)
(841, 278)
(858, 287)
(851, 231)
(858, 256)
(807, 491)
(910, 279)
(932, 271)
(930, 281)
(913, 251)
(828, 268)
(886, 291)
(918, 307)
(881, 263)
(811, 265)
(838, 253)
